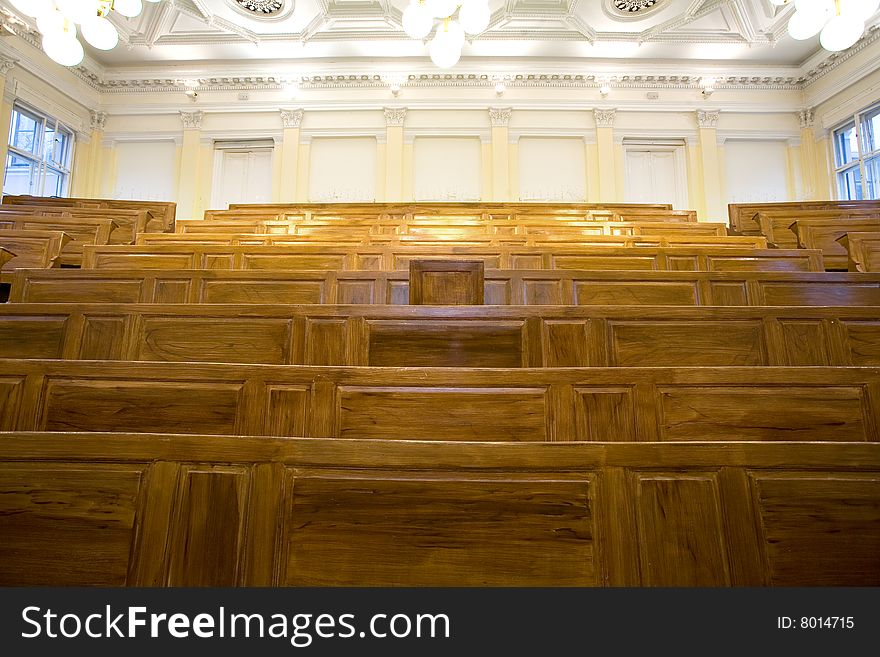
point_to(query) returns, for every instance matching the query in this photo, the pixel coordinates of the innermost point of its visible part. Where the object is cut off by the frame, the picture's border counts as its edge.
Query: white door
(242, 177)
(656, 175)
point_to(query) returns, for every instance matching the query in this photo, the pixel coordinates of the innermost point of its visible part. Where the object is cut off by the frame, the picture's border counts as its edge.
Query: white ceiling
(368, 32)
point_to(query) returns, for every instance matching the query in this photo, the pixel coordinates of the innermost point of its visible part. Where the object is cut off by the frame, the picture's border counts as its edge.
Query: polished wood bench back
(5, 256)
(400, 336)
(502, 287)
(32, 248)
(444, 208)
(742, 216)
(269, 238)
(823, 235)
(144, 510)
(863, 251)
(617, 404)
(379, 258)
(161, 213)
(80, 230)
(128, 222)
(778, 227)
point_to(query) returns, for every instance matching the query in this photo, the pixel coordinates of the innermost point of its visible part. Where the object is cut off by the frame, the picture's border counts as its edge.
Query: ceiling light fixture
(839, 23)
(445, 48)
(57, 21)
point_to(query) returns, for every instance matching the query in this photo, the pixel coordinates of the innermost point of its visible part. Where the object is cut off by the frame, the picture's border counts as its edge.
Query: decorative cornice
(499, 117)
(806, 117)
(191, 120)
(291, 118)
(707, 119)
(394, 116)
(97, 120)
(604, 117)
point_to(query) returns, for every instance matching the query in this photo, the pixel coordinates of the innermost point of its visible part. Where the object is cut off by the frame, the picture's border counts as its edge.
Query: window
(857, 156)
(38, 162)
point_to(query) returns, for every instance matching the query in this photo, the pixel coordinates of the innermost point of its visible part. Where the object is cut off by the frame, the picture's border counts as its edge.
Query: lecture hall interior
(440, 293)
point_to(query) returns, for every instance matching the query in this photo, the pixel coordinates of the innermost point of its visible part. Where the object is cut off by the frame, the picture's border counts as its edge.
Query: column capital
(806, 117)
(191, 120)
(499, 117)
(707, 119)
(97, 120)
(6, 64)
(604, 117)
(291, 118)
(394, 116)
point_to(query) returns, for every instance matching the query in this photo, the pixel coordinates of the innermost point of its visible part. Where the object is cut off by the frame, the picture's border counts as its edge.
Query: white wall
(145, 170)
(342, 169)
(447, 168)
(756, 171)
(552, 169)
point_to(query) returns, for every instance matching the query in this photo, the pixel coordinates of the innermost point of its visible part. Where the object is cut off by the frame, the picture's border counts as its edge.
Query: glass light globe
(77, 10)
(417, 20)
(100, 33)
(805, 25)
(445, 47)
(815, 6)
(862, 9)
(51, 23)
(454, 32)
(65, 50)
(442, 8)
(33, 8)
(474, 16)
(841, 32)
(129, 8)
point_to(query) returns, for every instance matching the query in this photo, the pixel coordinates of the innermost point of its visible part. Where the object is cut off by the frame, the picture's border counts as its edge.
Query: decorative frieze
(707, 119)
(291, 118)
(604, 117)
(191, 120)
(394, 116)
(499, 117)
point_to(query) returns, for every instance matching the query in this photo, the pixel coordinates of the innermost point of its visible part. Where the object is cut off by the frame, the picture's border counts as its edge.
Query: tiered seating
(31, 248)
(565, 437)
(863, 251)
(80, 230)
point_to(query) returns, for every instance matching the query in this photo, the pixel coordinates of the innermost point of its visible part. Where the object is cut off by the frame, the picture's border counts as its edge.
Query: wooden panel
(103, 338)
(208, 527)
(568, 344)
(515, 414)
(762, 413)
(67, 524)
(681, 538)
(362, 529)
(293, 291)
(820, 530)
(326, 342)
(11, 395)
(287, 410)
(72, 287)
(37, 249)
(646, 344)
(140, 406)
(863, 342)
(217, 340)
(804, 342)
(820, 293)
(31, 336)
(445, 344)
(605, 414)
(647, 293)
(458, 282)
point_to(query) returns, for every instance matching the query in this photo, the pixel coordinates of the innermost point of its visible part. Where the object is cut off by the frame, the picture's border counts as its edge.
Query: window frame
(864, 157)
(60, 167)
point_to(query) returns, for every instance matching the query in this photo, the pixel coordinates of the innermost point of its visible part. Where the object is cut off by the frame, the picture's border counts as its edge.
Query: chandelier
(453, 18)
(839, 23)
(57, 21)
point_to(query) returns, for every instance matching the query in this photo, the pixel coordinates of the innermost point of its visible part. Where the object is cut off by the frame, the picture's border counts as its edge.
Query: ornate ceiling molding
(191, 120)
(291, 118)
(394, 116)
(499, 117)
(604, 117)
(706, 119)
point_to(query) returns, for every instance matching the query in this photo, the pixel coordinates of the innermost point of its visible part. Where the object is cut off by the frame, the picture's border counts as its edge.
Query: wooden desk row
(464, 336)
(272, 239)
(743, 216)
(31, 248)
(143, 510)
(128, 222)
(522, 287)
(161, 213)
(863, 251)
(80, 230)
(379, 258)
(616, 404)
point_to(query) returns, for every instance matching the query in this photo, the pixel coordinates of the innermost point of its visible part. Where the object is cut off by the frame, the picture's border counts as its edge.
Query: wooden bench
(244, 238)
(614, 404)
(824, 235)
(863, 251)
(128, 222)
(32, 249)
(380, 258)
(5, 256)
(161, 213)
(778, 226)
(81, 231)
(116, 509)
(502, 287)
(443, 208)
(401, 336)
(742, 216)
